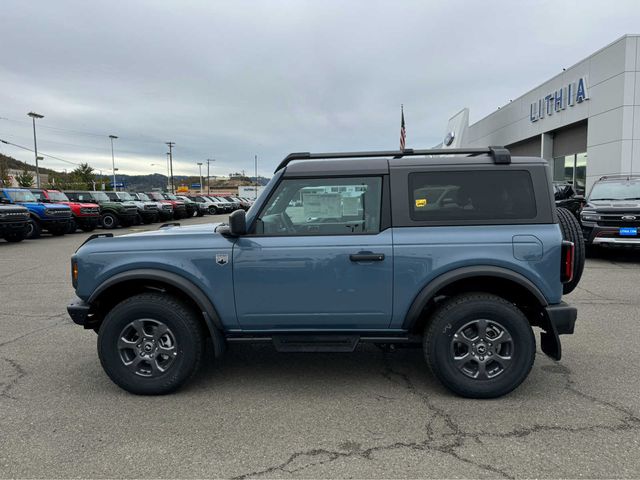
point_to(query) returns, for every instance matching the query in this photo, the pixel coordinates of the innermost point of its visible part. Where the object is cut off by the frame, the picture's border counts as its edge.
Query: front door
(316, 259)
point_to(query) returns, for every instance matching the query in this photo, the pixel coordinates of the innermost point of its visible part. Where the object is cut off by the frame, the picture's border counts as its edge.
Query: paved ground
(257, 413)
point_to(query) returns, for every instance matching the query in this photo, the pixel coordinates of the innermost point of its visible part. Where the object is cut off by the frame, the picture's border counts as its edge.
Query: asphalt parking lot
(258, 413)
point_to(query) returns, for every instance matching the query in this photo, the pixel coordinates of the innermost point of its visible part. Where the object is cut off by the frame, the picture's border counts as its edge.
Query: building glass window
(571, 169)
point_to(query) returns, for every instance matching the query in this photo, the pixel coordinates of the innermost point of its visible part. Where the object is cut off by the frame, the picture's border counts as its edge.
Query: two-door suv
(14, 221)
(86, 216)
(457, 251)
(51, 217)
(112, 213)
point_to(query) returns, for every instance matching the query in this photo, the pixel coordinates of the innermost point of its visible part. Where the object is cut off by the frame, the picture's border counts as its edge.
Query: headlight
(589, 217)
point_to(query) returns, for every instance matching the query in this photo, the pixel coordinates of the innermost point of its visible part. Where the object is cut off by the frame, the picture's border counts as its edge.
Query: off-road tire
(178, 317)
(109, 220)
(572, 232)
(33, 229)
(58, 231)
(72, 227)
(459, 311)
(87, 228)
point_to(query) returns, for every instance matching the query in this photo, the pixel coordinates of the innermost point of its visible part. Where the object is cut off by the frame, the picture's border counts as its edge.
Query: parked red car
(86, 216)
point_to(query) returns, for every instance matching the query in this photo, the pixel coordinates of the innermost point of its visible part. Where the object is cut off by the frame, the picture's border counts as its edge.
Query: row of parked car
(26, 213)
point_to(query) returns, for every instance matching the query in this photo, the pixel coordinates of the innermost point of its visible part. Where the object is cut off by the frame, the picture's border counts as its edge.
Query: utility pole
(33, 116)
(171, 144)
(201, 184)
(209, 160)
(168, 174)
(256, 165)
(113, 163)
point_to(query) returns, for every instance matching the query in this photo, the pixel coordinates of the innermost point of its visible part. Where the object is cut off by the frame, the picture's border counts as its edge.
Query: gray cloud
(228, 80)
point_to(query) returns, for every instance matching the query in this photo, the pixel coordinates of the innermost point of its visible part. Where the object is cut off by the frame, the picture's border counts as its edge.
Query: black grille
(617, 220)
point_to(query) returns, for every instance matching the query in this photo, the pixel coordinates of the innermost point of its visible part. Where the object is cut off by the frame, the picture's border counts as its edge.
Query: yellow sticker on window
(421, 202)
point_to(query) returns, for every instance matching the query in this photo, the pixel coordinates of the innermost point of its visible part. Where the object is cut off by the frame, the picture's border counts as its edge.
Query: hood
(196, 237)
(201, 229)
(81, 205)
(613, 206)
(43, 205)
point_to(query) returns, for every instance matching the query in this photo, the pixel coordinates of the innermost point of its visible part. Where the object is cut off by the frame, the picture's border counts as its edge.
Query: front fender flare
(186, 286)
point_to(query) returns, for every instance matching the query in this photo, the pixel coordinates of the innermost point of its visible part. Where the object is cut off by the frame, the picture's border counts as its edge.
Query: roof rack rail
(500, 155)
(621, 175)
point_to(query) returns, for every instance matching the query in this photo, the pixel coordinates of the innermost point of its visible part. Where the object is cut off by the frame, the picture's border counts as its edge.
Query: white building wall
(612, 111)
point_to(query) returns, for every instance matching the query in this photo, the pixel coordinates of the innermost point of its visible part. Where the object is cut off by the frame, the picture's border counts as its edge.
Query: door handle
(366, 257)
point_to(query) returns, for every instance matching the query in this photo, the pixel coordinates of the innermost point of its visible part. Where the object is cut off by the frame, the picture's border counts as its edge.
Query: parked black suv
(612, 214)
(14, 220)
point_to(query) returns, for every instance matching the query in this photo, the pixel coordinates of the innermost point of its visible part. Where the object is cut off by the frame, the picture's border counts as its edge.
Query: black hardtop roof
(360, 163)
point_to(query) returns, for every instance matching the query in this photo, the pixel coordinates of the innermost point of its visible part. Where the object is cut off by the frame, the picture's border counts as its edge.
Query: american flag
(403, 130)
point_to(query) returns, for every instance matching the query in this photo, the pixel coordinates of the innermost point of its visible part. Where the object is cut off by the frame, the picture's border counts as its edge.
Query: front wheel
(109, 220)
(150, 344)
(479, 345)
(15, 237)
(33, 229)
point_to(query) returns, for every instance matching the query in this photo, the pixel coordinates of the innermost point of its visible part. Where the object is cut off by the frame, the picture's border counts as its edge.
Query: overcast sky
(228, 80)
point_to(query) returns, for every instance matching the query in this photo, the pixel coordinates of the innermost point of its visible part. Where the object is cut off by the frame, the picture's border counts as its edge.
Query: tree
(25, 179)
(4, 173)
(83, 174)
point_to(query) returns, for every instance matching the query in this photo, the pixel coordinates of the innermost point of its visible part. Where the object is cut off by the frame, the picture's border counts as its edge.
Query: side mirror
(237, 223)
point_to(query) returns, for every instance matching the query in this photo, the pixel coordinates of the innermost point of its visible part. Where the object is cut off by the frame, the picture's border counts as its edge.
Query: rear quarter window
(464, 196)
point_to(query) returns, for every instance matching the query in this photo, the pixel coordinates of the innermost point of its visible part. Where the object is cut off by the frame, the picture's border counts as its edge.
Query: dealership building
(585, 121)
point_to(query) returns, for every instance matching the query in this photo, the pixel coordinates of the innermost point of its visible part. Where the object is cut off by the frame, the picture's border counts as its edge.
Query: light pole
(33, 116)
(209, 160)
(113, 163)
(200, 168)
(171, 144)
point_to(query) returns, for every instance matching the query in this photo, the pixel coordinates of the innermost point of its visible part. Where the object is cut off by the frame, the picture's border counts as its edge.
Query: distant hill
(141, 183)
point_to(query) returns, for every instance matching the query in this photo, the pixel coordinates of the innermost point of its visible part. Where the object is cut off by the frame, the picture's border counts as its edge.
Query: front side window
(323, 206)
(457, 196)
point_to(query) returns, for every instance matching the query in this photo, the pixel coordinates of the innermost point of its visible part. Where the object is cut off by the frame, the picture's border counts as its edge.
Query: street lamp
(33, 116)
(200, 168)
(113, 162)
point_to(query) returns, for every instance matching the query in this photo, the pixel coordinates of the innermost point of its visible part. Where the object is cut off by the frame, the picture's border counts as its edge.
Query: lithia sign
(568, 96)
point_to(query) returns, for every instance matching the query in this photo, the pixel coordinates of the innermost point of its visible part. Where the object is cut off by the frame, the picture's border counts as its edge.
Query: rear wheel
(150, 344)
(572, 232)
(479, 345)
(109, 220)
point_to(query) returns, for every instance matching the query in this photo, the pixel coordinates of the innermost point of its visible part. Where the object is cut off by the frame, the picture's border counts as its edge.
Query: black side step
(315, 343)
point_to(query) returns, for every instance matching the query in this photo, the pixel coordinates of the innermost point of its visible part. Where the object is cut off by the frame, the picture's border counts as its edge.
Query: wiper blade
(632, 198)
(596, 199)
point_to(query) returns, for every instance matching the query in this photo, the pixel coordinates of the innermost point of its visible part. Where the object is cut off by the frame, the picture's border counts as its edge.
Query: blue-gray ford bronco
(456, 251)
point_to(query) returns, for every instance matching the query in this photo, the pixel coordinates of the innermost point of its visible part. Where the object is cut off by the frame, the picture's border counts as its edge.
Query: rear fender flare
(429, 291)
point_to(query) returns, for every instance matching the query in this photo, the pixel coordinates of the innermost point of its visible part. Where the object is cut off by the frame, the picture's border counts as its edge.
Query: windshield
(126, 196)
(170, 196)
(622, 190)
(58, 197)
(22, 196)
(143, 197)
(100, 196)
